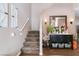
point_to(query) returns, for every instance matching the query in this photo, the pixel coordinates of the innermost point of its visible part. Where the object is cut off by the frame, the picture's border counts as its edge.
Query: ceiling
(73, 5)
(76, 6)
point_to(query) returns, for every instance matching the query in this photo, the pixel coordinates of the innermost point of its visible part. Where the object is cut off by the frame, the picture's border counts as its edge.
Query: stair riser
(31, 45)
(30, 40)
(31, 35)
(30, 52)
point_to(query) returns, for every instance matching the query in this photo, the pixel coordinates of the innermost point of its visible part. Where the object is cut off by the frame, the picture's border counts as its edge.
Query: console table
(61, 41)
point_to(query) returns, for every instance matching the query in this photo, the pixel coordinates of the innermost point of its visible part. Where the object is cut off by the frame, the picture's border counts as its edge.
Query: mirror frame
(59, 16)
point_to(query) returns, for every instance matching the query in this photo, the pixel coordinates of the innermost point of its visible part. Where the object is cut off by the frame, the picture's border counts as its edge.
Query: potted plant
(50, 28)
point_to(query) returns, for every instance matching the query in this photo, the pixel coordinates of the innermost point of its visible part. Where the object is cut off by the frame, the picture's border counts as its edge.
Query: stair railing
(23, 25)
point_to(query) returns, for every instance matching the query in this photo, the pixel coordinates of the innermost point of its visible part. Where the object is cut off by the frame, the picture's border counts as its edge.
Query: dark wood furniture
(60, 41)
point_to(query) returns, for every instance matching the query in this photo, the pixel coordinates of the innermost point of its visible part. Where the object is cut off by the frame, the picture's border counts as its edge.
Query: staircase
(31, 44)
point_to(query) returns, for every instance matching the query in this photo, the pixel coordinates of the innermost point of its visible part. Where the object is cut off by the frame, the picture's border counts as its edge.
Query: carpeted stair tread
(31, 44)
(33, 35)
(33, 32)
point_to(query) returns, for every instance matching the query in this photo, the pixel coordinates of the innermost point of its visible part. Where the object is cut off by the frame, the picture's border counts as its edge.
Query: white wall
(24, 11)
(76, 20)
(11, 45)
(36, 10)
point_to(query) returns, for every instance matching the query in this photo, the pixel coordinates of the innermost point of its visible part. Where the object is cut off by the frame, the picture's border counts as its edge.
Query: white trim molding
(41, 49)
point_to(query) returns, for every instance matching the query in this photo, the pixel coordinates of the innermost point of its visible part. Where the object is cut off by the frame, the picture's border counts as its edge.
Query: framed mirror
(58, 21)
